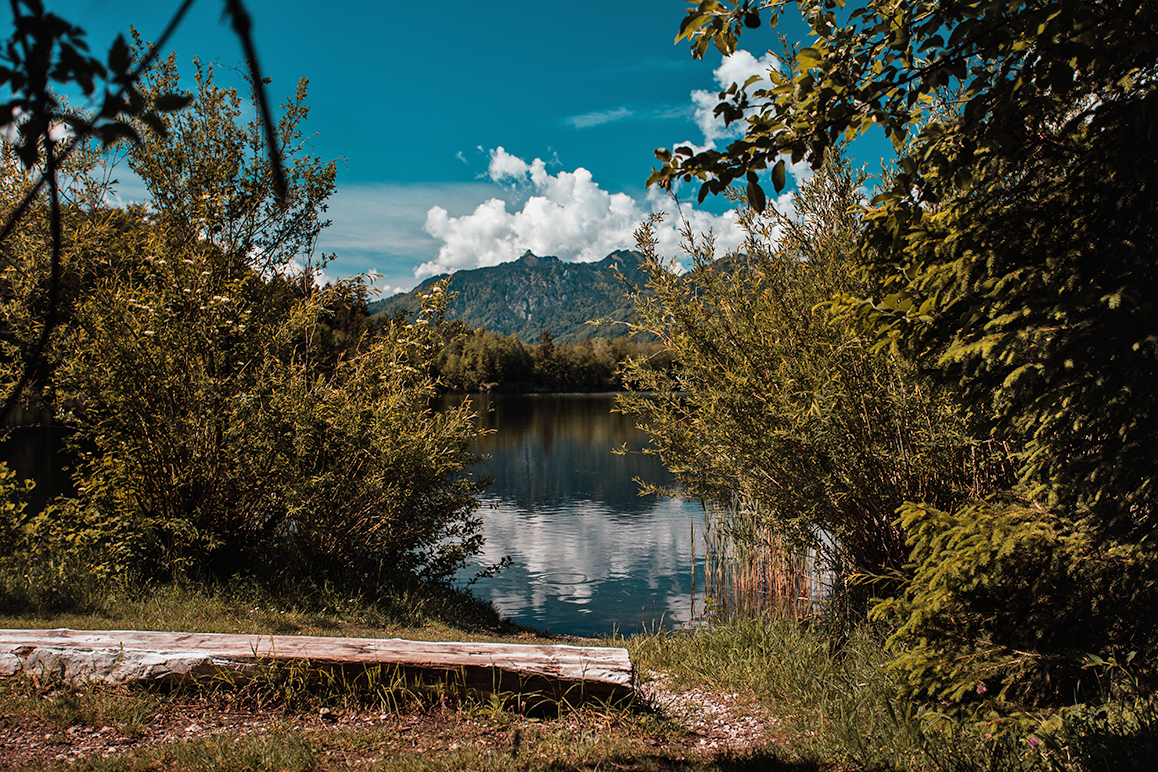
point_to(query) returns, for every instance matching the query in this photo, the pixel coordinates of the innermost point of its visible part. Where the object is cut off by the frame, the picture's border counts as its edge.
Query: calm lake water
(590, 555)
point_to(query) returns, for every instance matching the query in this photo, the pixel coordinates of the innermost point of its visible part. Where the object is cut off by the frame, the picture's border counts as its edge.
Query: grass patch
(839, 707)
(833, 703)
(348, 732)
(59, 705)
(422, 613)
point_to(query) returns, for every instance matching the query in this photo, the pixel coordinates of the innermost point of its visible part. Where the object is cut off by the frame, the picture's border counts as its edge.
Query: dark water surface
(590, 555)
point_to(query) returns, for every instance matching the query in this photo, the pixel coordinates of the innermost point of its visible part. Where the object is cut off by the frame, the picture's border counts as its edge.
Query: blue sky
(468, 132)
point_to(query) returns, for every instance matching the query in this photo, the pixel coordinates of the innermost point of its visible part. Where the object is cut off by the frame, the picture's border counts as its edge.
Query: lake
(590, 555)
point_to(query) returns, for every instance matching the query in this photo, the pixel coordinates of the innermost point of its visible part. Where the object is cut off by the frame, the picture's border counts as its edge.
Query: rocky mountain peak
(536, 293)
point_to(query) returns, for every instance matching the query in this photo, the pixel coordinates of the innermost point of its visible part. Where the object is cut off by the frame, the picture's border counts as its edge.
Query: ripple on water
(562, 578)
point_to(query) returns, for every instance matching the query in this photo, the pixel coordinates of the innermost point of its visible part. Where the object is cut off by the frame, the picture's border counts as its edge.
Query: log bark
(570, 674)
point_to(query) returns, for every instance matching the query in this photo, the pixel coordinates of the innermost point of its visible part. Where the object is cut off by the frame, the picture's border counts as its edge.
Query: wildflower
(981, 689)
(1034, 742)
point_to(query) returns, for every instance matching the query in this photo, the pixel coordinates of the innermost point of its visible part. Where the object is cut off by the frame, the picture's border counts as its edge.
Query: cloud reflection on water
(590, 555)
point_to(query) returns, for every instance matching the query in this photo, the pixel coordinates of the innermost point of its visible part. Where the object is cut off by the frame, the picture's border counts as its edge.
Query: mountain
(533, 294)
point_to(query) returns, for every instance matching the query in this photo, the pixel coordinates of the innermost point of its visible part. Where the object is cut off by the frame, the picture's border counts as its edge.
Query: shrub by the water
(231, 418)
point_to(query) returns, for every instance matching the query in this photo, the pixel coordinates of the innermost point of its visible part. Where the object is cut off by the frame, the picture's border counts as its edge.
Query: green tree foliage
(44, 50)
(774, 402)
(1014, 246)
(478, 360)
(1011, 254)
(211, 179)
(1014, 72)
(1033, 291)
(232, 418)
(29, 293)
(472, 360)
(1010, 607)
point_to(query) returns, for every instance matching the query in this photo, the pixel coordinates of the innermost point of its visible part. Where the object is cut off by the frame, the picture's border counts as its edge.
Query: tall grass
(752, 569)
(835, 702)
(768, 629)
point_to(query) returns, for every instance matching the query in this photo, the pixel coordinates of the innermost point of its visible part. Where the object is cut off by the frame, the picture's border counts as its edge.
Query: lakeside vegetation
(938, 399)
(472, 360)
(229, 418)
(936, 404)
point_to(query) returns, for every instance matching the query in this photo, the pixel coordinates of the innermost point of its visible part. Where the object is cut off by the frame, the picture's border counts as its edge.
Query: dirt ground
(705, 724)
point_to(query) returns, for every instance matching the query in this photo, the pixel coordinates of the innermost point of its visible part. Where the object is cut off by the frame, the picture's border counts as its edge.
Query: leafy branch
(44, 48)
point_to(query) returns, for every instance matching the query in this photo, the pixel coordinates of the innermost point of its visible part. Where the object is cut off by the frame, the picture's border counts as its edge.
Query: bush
(231, 417)
(1012, 609)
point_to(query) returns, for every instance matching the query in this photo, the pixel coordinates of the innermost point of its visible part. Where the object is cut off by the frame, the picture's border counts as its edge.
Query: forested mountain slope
(533, 294)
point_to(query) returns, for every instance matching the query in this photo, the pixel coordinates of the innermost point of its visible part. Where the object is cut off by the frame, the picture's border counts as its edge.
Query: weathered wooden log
(569, 674)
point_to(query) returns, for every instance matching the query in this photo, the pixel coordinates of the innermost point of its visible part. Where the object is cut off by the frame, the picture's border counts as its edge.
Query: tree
(1012, 255)
(773, 402)
(1024, 153)
(548, 362)
(1014, 73)
(211, 177)
(219, 432)
(45, 48)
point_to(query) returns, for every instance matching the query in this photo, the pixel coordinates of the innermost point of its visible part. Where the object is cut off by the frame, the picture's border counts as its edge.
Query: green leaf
(171, 102)
(779, 172)
(756, 197)
(690, 24)
(807, 58)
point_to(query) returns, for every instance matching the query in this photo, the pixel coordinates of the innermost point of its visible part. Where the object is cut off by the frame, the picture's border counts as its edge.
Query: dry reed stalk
(751, 569)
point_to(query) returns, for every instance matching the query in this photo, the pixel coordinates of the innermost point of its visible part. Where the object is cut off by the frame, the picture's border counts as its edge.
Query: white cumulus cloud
(736, 68)
(567, 215)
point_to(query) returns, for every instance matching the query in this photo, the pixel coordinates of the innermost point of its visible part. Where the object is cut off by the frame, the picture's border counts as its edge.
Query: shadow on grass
(756, 761)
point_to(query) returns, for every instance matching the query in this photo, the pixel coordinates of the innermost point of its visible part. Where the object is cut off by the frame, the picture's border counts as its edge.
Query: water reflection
(590, 554)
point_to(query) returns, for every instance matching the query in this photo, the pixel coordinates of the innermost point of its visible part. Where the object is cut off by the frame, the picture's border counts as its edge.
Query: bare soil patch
(667, 726)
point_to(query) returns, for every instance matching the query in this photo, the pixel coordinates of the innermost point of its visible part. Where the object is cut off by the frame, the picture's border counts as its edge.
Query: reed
(751, 568)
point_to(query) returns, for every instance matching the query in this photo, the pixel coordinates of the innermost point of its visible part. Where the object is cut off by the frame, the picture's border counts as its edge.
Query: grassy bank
(306, 609)
(827, 707)
(294, 721)
(837, 706)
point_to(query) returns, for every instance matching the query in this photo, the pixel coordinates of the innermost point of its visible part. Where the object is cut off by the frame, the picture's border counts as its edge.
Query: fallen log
(570, 674)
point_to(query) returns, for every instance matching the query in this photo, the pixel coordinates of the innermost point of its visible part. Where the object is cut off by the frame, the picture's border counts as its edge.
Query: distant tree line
(469, 359)
(479, 360)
